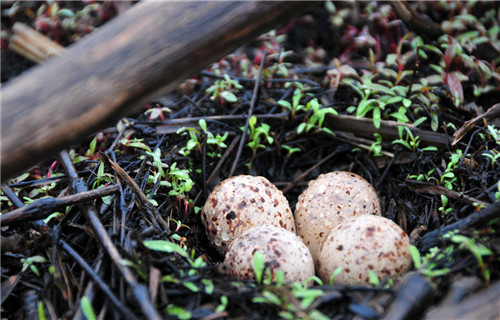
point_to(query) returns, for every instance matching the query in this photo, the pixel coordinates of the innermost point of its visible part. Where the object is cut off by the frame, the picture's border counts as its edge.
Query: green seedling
(102, 177)
(477, 250)
(316, 119)
(376, 146)
(135, 143)
(448, 179)
(493, 155)
(222, 89)
(295, 106)
(257, 136)
(30, 263)
(335, 273)
(290, 150)
(214, 143)
(444, 211)
(292, 303)
(409, 141)
(427, 265)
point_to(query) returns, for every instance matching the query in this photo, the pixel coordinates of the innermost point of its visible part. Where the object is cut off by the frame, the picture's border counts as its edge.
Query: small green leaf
(191, 286)
(41, 311)
(203, 125)
(335, 273)
(285, 104)
(415, 256)
(407, 103)
(92, 146)
(373, 278)
(87, 309)
(377, 117)
(228, 96)
(258, 266)
(165, 246)
(179, 312)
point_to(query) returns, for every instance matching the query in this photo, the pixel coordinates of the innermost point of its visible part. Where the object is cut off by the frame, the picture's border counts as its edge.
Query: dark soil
(422, 191)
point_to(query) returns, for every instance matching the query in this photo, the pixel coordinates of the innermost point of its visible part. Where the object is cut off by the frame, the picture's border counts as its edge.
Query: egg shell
(240, 203)
(364, 243)
(282, 250)
(328, 201)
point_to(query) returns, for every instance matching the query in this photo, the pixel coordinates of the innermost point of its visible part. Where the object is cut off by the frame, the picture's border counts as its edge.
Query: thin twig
(141, 199)
(250, 111)
(42, 208)
(97, 279)
(139, 291)
(424, 187)
(491, 113)
(12, 197)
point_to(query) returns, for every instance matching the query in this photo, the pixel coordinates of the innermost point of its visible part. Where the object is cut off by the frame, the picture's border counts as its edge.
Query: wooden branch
(127, 62)
(434, 238)
(491, 113)
(31, 44)
(388, 129)
(482, 305)
(42, 208)
(413, 294)
(426, 187)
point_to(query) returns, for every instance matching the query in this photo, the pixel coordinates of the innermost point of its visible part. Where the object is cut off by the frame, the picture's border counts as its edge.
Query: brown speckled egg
(329, 200)
(240, 203)
(364, 243)
(282, 250)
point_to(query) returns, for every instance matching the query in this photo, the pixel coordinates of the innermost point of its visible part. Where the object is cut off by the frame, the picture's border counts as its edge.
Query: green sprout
(258, 266)
(335, 273)
(215, 143)
(444, 200)
(295, 106)
(477, 250)
(30, 263)
(222, 89)
(316, 119)
(376, 146)
(427, 265)
(411, 142)
(257, 136)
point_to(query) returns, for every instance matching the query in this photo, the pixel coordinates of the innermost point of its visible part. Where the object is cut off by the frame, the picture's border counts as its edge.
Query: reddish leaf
(455, 86)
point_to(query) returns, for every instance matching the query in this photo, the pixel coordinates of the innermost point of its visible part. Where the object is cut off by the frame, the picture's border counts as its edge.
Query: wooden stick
(44, 207)
(32, 44)
(477, 219)
(493, 112)
(127, 62)
(388, 129)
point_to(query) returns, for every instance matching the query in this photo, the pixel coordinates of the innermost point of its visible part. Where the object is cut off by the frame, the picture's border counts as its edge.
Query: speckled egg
(282, 251)
(364, 243)
(329, 200)
(240, 203)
